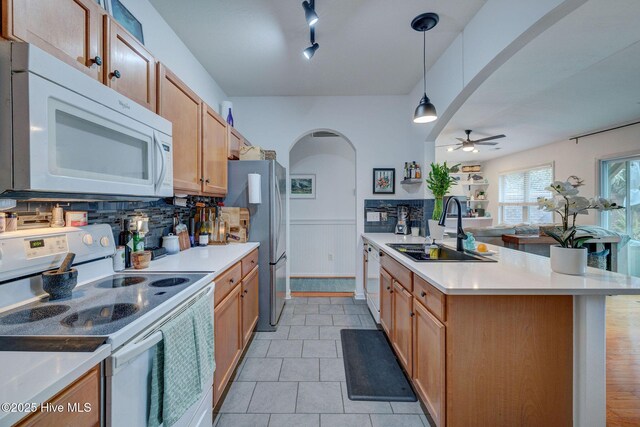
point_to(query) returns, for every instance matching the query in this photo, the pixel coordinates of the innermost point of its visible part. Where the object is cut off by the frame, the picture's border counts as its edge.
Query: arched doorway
(322, 212)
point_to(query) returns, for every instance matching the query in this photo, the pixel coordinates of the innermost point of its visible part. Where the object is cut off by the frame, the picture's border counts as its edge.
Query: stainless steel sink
(416, 251)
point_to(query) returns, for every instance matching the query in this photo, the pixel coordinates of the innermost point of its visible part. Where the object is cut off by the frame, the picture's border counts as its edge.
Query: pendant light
(425, 111)
(310, 12)
(311, 50)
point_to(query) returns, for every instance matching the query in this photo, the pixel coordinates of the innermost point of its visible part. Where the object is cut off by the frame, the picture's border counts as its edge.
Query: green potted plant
(570, 256)
(439, 182)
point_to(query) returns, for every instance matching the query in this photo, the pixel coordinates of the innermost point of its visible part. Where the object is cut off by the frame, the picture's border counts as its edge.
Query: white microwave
(62, 132)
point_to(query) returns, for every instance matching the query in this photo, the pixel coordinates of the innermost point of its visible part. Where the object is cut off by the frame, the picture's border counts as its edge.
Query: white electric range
(125, 310)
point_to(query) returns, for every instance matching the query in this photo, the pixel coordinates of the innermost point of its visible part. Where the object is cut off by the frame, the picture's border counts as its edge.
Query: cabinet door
(71, 30)
(85, 390)
(249, 305)
(235, 142)
(182, 107)
(429, 361)
(228, 339)
(130, 68)
(214, 152)
(386, 302)
(402, 325)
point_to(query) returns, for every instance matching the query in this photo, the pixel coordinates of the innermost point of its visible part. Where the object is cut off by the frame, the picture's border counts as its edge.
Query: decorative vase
(571, 261)
(436, 232)
(437, 208)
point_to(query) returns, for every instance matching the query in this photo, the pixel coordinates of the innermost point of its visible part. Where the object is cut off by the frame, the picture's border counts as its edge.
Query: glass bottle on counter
(126, 239)
(203, 236)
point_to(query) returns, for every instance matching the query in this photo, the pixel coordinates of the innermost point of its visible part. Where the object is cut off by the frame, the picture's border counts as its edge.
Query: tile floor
(295, 376)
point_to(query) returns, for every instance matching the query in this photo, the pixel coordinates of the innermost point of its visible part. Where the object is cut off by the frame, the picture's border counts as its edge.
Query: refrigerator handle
(279, 213)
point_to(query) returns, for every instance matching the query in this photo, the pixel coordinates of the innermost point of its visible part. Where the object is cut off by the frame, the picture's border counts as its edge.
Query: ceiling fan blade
(489, 138)
(457, 148)
(446, 145)
(461, 139)
(485, 143)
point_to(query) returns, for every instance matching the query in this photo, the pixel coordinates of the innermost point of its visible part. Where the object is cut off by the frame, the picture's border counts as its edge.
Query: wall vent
(324, 134)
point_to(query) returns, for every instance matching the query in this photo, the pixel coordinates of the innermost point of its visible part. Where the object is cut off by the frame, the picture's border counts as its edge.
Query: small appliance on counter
(402, 226)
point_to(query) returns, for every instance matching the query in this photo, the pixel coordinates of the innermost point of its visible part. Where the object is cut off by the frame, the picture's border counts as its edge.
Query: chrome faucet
(461, 235)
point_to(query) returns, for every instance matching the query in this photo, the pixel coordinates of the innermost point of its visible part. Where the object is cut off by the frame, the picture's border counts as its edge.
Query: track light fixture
(310, 12)
(426, 111)
(312, 18)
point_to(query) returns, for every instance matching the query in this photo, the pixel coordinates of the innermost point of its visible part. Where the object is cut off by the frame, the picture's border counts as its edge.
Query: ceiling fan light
(450, 149)
(475, 150)
(468, 148)
(310, 14)
(425, 111)
(310, 51)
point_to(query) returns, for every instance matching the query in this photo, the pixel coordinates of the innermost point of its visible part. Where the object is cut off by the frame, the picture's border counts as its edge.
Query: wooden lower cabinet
(402, 325)
(84, 394)
(228, 339)
(249, 305)
(386, 306)
(429, 361)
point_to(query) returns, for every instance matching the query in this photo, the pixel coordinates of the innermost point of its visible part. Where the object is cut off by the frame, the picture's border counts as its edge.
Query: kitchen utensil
(183, 237)
(66, 263)
(171, 243)
(59, 285)
(57, 217)
(402, 226)
(141, 259)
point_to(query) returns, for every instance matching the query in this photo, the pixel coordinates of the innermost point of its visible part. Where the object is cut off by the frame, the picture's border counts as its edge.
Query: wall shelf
(411, 181)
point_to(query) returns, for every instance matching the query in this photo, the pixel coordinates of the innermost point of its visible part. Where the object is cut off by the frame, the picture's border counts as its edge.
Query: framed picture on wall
(384, 181)
(303, 186)
(125, 18)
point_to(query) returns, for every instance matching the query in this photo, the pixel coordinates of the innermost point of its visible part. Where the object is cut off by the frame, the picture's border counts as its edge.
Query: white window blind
(519, 192)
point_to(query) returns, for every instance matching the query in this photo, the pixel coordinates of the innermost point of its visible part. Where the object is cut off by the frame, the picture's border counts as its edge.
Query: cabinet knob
(231, 280)
(413, 314)
(369, 249)
(201, 179)
(241, 296)
(391, 292)
(116, 74)
(253, 261)
(423, 294)
(381, 253)
(388, 287)
(97, 60)
(206, 180)
(246, 292)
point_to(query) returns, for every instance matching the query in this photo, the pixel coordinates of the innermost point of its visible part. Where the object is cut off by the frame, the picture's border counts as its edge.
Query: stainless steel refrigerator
(267, 225)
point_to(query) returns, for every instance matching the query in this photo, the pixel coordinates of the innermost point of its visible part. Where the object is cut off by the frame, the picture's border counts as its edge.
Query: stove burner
(99, 315)
(164, 283)
(121, 281)
(33, 314)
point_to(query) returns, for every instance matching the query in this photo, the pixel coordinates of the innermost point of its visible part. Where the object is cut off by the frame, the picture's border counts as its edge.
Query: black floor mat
(372, 370)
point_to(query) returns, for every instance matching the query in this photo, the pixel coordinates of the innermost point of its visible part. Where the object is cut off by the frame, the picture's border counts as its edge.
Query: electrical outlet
(330, 257)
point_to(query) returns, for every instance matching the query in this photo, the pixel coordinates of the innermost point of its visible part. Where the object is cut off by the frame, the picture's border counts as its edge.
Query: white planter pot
(569, 260)
(436, 231)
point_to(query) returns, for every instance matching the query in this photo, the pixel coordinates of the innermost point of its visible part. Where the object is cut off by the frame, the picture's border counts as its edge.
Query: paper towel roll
(255, 184)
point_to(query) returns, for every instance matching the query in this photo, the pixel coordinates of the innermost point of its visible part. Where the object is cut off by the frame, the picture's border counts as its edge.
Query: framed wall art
(384, 181)
(303, 186)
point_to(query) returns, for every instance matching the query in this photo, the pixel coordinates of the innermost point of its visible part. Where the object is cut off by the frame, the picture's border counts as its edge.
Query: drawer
(430, 297)
(249, 262)
(399, 272)
(226, 282)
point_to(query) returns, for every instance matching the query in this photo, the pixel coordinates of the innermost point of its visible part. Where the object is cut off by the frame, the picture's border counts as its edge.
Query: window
(519, 192)
(620, 182)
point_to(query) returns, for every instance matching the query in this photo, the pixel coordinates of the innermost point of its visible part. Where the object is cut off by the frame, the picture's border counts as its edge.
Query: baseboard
(321, 294)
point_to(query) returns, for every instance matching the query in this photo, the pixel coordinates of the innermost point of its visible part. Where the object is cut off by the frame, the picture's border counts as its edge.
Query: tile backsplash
(160, 214)
(420, 211)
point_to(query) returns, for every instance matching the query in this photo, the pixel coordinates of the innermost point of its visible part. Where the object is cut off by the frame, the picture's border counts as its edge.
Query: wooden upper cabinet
(235, 142)
(130, 68)
(386, 302)
(402, 325)
(182, 107)
(214, 152)
(71, 30)
(429, 361)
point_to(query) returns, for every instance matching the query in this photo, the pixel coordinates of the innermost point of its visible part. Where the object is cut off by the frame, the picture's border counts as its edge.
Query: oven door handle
(124, 356)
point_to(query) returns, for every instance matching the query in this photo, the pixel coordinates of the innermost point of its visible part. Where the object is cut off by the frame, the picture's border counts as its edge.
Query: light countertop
(208, 259)
(35, 377)
(515, 273)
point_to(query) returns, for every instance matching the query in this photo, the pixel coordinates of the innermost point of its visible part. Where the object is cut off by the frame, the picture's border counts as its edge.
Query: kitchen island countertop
(515, 273)
(35, 377)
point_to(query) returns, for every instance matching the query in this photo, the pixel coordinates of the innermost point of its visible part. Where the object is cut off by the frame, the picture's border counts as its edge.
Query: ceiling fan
(470, 144)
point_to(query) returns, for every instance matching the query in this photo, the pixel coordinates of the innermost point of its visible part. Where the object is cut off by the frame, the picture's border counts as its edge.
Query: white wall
(323, 230)
(167, 47)
(569, 159)
(378, 127)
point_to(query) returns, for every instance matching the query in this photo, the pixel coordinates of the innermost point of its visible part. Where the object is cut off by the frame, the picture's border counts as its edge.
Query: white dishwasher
(372, 279)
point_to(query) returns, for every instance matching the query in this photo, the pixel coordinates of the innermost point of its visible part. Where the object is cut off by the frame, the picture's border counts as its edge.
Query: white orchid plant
(565, 201)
